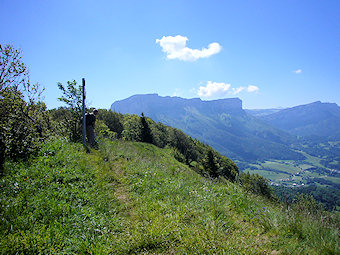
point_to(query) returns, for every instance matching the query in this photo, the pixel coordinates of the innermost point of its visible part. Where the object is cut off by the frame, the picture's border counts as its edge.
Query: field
(296, 173)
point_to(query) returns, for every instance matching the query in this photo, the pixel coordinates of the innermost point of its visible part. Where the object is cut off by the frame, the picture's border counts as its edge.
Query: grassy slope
(135, 198)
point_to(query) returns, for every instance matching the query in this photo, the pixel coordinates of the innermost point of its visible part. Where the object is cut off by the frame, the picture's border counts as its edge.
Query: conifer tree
(146, 135)
(210, 164)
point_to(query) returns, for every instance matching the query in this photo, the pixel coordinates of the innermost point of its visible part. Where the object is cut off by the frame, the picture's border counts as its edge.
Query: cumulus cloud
(252, 88)
(221, 89)
(298, 71)
(213, 89)
(175, 48)
(237, 90)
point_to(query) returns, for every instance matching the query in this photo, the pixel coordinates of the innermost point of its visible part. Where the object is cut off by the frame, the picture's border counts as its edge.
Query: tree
(146, 135)
(184, 144)
(112, 120)
(132, 128)
(228, 168)
(256, 184)
(72, 97)
(24, 121)
(13, 73)
(210, 164)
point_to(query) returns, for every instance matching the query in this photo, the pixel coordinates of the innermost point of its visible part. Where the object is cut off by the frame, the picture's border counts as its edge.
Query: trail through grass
(134, 198)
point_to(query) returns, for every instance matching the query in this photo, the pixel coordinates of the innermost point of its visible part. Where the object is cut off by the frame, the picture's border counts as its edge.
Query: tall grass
(129, 198)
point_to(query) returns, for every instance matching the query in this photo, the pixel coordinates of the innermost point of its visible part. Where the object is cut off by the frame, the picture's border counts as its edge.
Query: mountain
(223, 124)
(262, 112)
(321, 119)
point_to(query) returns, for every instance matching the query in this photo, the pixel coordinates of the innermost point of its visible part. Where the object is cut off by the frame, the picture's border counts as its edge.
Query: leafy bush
(104, 131)
(71, 118)
(24, 122)
(256, 184)
(132, 128)
(112, 120)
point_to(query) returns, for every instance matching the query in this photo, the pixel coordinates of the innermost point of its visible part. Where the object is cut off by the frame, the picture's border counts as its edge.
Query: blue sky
(268, 53)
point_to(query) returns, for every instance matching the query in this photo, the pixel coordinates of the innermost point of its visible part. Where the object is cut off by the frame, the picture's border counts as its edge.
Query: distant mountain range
(321, 119)
(262, 112)
(223, 124)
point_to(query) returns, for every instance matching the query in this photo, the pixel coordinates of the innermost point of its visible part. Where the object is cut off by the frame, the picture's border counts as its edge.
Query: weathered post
(84, 120)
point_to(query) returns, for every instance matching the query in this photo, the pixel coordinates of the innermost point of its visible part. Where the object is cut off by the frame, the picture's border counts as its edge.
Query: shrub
(256, 184)
(24, 122)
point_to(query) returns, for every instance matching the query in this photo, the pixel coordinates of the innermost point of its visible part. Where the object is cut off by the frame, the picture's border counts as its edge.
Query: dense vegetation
(329, 197)
(147, 188)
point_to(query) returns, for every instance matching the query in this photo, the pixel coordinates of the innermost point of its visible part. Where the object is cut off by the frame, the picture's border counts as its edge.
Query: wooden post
(84, 120)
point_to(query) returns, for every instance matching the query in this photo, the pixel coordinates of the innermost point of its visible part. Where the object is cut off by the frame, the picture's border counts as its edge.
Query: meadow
(135, 198)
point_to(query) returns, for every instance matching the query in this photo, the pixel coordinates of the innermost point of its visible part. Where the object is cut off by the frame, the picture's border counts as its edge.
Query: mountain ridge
(222, 123)
(317, 118)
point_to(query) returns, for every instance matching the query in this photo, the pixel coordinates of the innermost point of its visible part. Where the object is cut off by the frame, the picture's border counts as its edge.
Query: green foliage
(56, 204)
(329, 197)
(177, 155)
(112, 120)
(256, 184)
(306, 203)
(160, 133)
(184, 148)
(146, 135)
(103, 131)
(210, 164)
(72, 95)
(14, 73)
(24, 123)
(70, 120)
(184, 144)
(132, 128)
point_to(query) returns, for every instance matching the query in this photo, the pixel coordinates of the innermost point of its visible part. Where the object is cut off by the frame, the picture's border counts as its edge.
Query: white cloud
(252, 88)
(175, 48)
(298, 71)
(238, 90)
(221, 89)
(214, 89)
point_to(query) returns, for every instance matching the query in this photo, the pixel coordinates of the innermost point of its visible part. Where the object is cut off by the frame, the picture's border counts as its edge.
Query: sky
(270, 54)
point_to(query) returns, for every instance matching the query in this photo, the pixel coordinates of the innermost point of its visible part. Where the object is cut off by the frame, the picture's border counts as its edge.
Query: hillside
(254, 145)
(223, 124)
(320, 119)
(135, 198)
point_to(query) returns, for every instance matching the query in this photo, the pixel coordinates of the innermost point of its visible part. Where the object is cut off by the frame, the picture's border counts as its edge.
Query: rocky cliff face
(151, 104)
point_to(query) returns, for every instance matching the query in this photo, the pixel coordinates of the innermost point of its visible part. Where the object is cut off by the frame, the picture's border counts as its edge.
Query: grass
(332, 179)
(134, 198)
(284, 167)
(279, 171)
(270, 174)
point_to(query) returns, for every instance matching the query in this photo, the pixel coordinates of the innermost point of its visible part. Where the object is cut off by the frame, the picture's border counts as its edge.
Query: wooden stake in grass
(84, 120)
